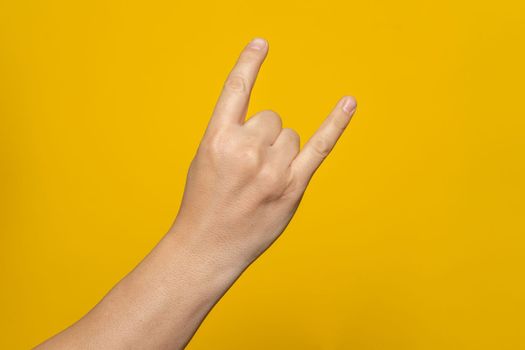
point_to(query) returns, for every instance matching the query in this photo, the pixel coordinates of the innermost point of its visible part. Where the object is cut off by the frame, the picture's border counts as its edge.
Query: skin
(243, 187)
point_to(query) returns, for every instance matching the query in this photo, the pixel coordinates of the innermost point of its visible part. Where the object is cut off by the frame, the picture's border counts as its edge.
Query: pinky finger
(323, 140)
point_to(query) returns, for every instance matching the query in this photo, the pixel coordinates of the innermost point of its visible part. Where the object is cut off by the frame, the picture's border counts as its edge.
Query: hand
(247, 178)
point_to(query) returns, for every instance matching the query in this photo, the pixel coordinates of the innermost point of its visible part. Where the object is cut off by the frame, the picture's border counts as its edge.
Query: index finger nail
(257, 44)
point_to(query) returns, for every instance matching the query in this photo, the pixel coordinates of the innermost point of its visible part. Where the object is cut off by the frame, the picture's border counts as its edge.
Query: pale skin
(242, 189)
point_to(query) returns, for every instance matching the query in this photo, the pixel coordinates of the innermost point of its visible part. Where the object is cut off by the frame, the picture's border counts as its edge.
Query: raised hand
(248, 177)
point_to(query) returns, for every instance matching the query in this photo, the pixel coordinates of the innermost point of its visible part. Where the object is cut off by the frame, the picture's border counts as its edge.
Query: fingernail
(349, 105)
(257, 44)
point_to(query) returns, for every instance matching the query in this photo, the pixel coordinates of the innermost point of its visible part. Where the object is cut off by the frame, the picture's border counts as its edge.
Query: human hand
(247, 178)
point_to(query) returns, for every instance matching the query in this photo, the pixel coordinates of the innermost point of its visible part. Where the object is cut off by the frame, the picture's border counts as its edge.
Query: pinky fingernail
(349, 105)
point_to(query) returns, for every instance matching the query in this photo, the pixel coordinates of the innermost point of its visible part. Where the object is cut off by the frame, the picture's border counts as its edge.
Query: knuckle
(235, 83)
(294, 188)
(249, 159)
(274, 116)
(223, 150)
(268, 118)
(219, 143)
(292, 134)
(270, 177)
(321, 147)
(214, 145)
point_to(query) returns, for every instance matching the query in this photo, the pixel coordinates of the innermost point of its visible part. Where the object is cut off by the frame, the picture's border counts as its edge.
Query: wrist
(212, 263)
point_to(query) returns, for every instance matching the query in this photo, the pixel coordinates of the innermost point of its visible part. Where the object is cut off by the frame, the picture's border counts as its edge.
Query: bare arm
(242, 189)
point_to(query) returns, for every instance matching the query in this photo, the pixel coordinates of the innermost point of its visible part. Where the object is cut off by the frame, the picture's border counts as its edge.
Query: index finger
(232, 104)
(323, 141)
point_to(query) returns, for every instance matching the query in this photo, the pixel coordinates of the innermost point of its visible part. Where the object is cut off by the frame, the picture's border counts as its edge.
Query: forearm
(162, 302)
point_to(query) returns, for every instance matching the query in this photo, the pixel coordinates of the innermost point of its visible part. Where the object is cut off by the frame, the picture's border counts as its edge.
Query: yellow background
(411, 236)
